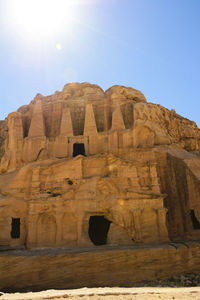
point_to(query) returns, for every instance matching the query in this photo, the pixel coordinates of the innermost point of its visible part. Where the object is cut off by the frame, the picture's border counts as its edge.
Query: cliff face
(120, 118)
(116, 266)
(3, 136)
(85, 167)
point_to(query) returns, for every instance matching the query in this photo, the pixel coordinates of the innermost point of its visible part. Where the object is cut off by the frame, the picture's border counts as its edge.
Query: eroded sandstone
(85, 167)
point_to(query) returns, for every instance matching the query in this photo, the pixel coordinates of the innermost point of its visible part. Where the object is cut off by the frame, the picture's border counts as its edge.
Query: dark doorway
(15, 231)
(78, 149)
(98, 230)
(195, 222)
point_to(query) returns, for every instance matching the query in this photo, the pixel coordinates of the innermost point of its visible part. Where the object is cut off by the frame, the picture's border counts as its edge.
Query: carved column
(90, 127)
(59, 233)
(162, 228)
(37, 121)
(154, 178)
(117, 119)
(32, 231)
(115, 138)
(90, 130)
(137, 218)
(61, 145)
(35, 183)
(14, 143)
(79, 229)
(66, 128)
(82, 231)
(35, 146)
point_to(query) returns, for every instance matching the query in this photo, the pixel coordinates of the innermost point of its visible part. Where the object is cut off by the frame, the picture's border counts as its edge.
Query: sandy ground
(109, 293)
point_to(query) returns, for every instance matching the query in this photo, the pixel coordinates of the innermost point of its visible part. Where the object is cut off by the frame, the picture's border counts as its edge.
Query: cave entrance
(195, 222)
(78, 149)
(15, 228)
(98, 230)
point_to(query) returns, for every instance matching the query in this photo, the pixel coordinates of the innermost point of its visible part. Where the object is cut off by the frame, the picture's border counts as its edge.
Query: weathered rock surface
(118, 119)
(85, 167)
(3, 136)
(34, 270)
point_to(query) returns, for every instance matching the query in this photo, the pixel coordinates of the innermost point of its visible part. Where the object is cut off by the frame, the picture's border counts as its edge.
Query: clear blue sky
(151, 45)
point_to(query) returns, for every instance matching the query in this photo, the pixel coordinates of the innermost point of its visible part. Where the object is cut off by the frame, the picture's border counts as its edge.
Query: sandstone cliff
(83, 159)
(3, 136)
(120, 114)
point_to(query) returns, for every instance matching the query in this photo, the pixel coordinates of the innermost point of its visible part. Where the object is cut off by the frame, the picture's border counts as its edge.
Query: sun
(41, 18)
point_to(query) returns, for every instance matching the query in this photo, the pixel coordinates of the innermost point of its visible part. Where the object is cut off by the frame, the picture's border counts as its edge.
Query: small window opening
(54, 194)
(78, 149)
(195, 222)
(69, 181)
(98, 230)
(15, 231)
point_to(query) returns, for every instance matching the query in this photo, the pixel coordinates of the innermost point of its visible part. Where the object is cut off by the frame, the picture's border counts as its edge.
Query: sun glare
(42, 18)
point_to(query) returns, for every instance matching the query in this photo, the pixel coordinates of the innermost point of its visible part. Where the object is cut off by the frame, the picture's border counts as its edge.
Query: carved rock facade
(85, 167)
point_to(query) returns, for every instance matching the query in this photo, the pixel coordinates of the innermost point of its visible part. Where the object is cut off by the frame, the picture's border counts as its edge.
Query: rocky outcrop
(164, 127)
(179, 180)
(122, 266)
(106, 122)
(85, 167)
